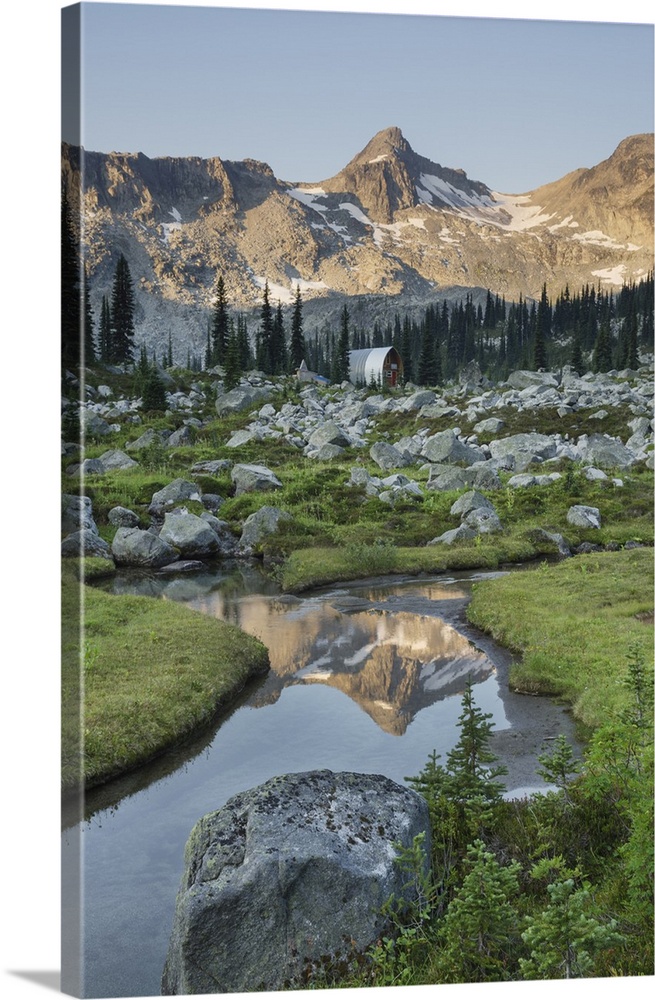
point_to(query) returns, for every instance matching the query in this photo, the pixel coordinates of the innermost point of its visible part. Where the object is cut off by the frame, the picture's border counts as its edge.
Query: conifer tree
(233, 370)
(154, 391)
(340, 359)
(104, 335)
(565, 938)
(245, 353)
(472, 780)
(539, 359)
(478, 932)
(278, 343)
(427, 372)
(602, 356)
(219, 324)
(297, 349)
(265, 335)
(87, 312)
(577, 361)
(71, 290)
(122, 314)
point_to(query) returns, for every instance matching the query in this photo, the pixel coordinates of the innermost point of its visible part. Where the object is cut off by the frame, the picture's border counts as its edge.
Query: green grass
(572, 624)
(152, 672)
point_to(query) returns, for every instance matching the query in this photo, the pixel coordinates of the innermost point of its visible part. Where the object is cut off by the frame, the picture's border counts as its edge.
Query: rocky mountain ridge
(392, 229)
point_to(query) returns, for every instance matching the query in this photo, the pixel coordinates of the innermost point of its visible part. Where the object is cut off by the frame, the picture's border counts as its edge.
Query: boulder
(88, 467)
(212, 501)
(328, 451)
(260, 525)
(122, 517)
(134, 547)
(483, 476)
(539, 446)
(492, 425)
(583, 517)
(460, 534)
(423, 397)
(286, 875)
(387, 456)
(454, 479)
(521, 481)
(116, 459)
(227, 542)
(445, 446)
(244, 397)
(175, 492)
(213, 466)
(483, 521)
(239, 438)
(76, 514)
(471, 501)
(189, 534)
(328, 433)
(252, 478)
(93, 425)
(85, 543)
(524, 379)
(183, 435)
(147, 440)
(605, 452)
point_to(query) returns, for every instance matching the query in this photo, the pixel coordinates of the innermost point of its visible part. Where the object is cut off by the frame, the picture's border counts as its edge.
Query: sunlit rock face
(392, 227)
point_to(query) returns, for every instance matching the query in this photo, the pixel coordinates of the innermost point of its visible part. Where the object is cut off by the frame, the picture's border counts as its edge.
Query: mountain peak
(383, 146)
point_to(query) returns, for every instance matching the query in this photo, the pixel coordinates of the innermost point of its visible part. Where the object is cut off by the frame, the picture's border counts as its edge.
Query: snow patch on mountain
(602, 240)
(436, 187)
(611, 275)
(286, 295)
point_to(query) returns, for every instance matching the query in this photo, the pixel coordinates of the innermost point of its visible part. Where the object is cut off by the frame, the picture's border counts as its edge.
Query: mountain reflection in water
(387, 648)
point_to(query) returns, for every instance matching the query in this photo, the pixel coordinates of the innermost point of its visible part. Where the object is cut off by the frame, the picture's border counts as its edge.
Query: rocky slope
(392, 228)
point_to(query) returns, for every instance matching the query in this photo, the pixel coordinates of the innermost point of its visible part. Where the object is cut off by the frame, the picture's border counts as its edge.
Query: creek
(364, 677)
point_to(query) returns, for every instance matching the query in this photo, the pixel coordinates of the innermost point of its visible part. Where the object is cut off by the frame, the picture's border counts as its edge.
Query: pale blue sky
(515, 103)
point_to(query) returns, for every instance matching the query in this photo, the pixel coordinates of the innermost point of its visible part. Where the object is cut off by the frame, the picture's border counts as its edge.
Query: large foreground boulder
(286, 875)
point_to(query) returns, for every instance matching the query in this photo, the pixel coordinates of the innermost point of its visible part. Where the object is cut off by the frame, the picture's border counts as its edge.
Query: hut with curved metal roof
(381, 365)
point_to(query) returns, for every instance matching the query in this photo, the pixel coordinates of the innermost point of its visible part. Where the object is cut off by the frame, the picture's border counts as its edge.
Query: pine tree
(122, 315)
(602, 357)
(245, 354)
(539, 358)
(472, 781)
(278, 343)
(154, 391)
(297, 349)
(233, 370)
(577, 361)
(427, 372)
(219, 324)
(104, 334)
(265, 336)
(565, 938)
(71, 290)
(477, 934)
(340, 359)
(87, 312)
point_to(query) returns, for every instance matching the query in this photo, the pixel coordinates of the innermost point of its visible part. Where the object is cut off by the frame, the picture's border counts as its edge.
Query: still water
(363, 678)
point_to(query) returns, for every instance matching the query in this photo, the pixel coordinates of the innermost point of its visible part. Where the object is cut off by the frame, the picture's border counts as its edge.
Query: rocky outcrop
(191, 535)
(258, 526)
(251, 478)
(134, 547)
(287, 876)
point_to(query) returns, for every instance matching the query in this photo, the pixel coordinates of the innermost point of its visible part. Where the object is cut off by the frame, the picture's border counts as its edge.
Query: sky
(589, 123)
(515, 103)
